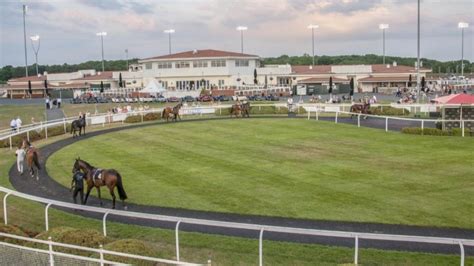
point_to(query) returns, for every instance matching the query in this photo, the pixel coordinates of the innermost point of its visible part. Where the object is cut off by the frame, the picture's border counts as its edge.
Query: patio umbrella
(409, 81)
(30, 91)
(255, 77)
(120, 80)
(46, 87)
(330, 85)
(101, 87)
(423, 84)
(351, 85)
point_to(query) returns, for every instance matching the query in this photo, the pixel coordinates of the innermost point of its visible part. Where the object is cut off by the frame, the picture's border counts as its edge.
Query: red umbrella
(461, 98)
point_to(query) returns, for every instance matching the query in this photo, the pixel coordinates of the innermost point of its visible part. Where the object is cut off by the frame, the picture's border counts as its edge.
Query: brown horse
(360, 109)
(172, 113)
(236, 110)
(31, 158)
(246, 109)
(101, 177)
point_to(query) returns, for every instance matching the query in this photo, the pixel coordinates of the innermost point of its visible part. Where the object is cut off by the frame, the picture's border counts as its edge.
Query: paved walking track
(49, 188)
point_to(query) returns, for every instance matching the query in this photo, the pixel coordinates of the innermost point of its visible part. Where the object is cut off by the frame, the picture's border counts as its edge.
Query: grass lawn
(201, 247)
(288, 168)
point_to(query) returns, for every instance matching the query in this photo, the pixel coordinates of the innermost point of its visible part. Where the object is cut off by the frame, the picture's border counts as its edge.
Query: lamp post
(25, 8)
(383, 27)
(418, 54)
(102, 34)
(169, 32)
(462, 26)
(242, 29)
(35, 39)
(312, 27)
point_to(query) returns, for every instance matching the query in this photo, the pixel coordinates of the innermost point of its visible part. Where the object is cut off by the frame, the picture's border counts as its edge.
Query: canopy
(153, 88)
(461, 98)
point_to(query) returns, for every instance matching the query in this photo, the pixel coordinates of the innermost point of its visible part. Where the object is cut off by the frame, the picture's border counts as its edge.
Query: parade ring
(49, 188)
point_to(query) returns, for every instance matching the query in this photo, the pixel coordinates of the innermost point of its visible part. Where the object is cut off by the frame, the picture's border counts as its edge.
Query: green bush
(12, 230)
(131, 246)
(35, 135)
(388, 111)
(133, 119)
(458, 132)
(260, 110)
(151, 117)
(425, 131)
(412, 130)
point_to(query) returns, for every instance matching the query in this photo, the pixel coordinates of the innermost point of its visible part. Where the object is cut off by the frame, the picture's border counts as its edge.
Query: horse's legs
(113, 197)
(89, 188)
(98, 193)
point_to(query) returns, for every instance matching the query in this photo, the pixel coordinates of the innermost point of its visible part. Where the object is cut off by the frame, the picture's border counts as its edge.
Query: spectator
(20, 158)
(18, 123)
(47, 102)
(13, 124)
(59, 103)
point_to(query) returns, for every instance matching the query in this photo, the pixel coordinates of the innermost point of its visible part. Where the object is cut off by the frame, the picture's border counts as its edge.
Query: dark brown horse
(101, 177)
(246, 109)
(236, 110)
(32, 158)
(78, 125)
(172, 113)
(360, 109)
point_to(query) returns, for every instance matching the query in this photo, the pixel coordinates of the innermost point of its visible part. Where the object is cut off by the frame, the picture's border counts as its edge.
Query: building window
(218, 63)
(221, 82)
(148, 65)
(162, 65)
(182, 64)
(241, 63)
(199, 64)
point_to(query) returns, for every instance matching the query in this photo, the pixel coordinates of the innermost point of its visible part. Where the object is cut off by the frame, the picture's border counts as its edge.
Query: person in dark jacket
(77, 186)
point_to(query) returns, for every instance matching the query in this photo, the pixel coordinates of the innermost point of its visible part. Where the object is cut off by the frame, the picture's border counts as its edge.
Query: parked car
(160, 99)
(272, 98)
(188, 99)
(260, 98)
(226, 98)
(173, 99)
(205, 98)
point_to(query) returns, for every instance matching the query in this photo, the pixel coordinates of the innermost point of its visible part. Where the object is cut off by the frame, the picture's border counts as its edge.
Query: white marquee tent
(153, 88)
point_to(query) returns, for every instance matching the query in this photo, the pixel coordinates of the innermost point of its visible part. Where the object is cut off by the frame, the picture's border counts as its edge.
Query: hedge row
(147, 117)
(388, 111)
(435, 131)
(35, 135)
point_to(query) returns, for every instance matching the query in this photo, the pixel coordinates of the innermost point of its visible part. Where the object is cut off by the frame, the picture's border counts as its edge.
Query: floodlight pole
(418, 55)
(24, 38)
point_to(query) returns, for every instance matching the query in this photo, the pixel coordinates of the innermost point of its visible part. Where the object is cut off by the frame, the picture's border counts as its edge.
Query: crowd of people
(16, 124)
(54, 102)
(128, 109)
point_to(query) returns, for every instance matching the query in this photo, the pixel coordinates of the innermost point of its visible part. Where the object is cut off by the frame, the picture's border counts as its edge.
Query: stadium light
(102, 34)
(35, 39)
(169, 32)
(462, 26)
(383, 27)
(312, 27)
(242, 29)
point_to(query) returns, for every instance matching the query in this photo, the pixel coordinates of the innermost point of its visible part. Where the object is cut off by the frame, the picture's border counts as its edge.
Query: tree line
(449, 67)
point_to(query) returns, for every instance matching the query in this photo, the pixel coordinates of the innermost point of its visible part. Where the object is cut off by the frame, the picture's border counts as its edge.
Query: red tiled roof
(301, 70)
(25, 79)
(201, 54)
(323, 80)
(456, 99)
(380, 68)
(102, 76)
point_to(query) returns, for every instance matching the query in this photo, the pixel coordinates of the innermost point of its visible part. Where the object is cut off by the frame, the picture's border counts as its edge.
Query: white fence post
(177, 240)
(5, 212)
(317, 114)
(46, 218)
(64, 124)
(28, 135)
(358, 120)
(10, 142)
(335, 119)
(356, 250)
(386, 124)
(101, 254)
(104, 224)
(309, 114)
(260, 248)
(46, 131)
(462, 253)
(462, 128)
(422, 124)
(51, 256)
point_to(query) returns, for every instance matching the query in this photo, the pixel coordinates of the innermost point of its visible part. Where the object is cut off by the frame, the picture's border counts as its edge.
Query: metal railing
(100, 251)
(261, 228)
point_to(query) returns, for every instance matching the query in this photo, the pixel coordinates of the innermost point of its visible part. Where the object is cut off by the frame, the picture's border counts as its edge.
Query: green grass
(288, 168)
(201, 247)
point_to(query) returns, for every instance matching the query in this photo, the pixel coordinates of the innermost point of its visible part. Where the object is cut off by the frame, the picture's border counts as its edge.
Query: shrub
(12, 230)
(133, 119)
(131, 246)
(412, 130)
(458, 132)
(425, 131)
(151, 117)
(388, 111)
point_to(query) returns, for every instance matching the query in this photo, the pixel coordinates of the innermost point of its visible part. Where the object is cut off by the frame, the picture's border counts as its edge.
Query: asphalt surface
(48, 188)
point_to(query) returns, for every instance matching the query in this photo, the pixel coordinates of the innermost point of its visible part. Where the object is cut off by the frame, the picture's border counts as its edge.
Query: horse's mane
(86, 163)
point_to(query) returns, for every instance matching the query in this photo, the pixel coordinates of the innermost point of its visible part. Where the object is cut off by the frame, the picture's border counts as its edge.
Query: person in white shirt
(13, 124)
(20, 158)
(18, 123)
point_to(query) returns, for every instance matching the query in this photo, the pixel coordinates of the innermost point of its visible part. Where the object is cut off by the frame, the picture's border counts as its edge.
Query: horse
(172, 113)
(32, 158)
(101, 177)
(246, 109)
(361, 109)
(236, 110)
(80, 125)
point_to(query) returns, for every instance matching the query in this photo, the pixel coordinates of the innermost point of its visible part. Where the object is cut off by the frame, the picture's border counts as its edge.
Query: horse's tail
(163, 113)
(36, 161)
(121, 191)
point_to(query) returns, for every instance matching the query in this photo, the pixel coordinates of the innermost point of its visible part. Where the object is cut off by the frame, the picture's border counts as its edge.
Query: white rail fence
(100, 252)
(233, 225)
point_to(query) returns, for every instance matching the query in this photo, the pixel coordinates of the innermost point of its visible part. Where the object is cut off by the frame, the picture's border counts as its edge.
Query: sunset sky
(67, 28)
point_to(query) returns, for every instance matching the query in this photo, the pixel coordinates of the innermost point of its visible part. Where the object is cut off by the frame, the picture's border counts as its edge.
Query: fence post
(335, 119)
(51, 257)
(356, 251)
(5, 214)
(46, 131)
(28, 135)
(317, 114)
(386, 124)
(462, 127)
(462, 253)
(422, 124)
(46, 218)
(104, 224)
(358, 120)
(10, 138)
(309, 114)
(101, 254)
(260, 248)
(177, 240)
(64, 123)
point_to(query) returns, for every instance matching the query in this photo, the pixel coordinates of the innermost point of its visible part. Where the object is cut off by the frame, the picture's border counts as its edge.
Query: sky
(68, 28)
